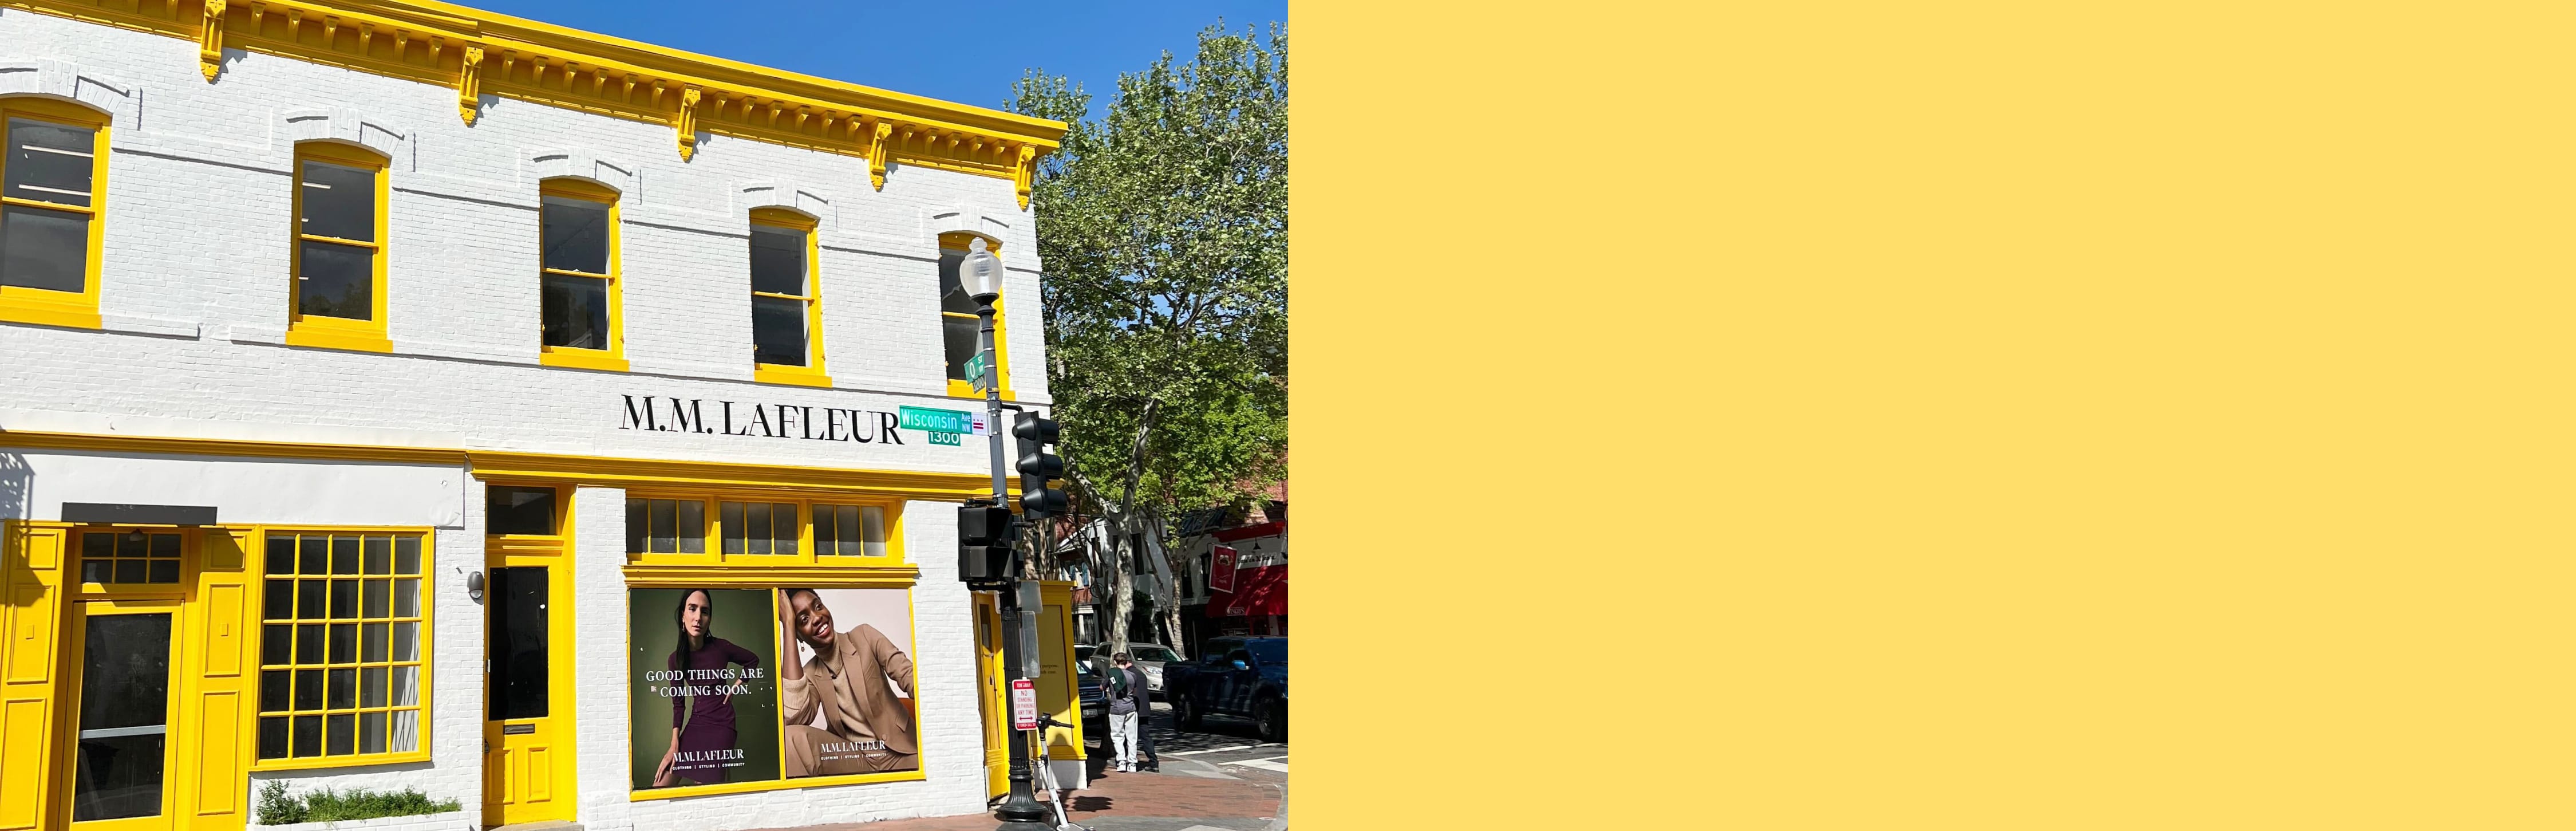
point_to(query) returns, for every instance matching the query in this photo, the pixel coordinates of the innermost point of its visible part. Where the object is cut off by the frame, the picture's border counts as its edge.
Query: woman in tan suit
(866, 727)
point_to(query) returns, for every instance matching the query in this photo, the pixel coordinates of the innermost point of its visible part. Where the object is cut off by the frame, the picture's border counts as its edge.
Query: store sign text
(777, 421)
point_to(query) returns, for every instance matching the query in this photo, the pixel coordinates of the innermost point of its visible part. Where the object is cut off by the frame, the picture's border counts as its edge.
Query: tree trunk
(1122, 591)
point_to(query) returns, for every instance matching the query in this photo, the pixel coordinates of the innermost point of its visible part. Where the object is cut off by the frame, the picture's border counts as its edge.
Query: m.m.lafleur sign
(776, 421)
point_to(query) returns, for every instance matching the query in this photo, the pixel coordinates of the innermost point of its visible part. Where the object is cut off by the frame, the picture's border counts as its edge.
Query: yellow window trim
(73, 310)
(958, 241)
(612, 359)
(813, 373)
(830, 569)
(257, 613)
(332, 332)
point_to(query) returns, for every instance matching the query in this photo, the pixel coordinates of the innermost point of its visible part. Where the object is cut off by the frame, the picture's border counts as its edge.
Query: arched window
(339, 261)
(579, 301)
(51, 195)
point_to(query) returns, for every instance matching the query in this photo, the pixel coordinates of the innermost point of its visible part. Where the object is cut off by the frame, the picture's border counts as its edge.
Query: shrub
(277, 807)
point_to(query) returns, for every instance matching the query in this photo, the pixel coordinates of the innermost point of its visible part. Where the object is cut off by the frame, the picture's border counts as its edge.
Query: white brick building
(190, 394)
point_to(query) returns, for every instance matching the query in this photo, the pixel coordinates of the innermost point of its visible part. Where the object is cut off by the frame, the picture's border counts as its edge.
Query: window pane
(344, 733)
(281, 555)
(407, 598)
(129, 571)
(959, 335)
(406, 732)
(129, 545)
(576, 311)
(371, 644)
(777, 261)
(778, 331)
(344, 689)
(732, 527)
(371, 733)
(98, 571)
(272, 737)
(310, 599)
(165, 546)
(313, 555)
(406, 686)
(378, 600)
(666, 522)
(344, 643)
(277, 644)
(163, 571)
(49, 162)
(339, 202)
(635, 522)
(337, 281)
(344, 555)
(308, 736)
(379, 555)
(308, 644)
(406, 555)
(519, 510)
(371, 687)
(826, 528)
(874, 518)
(308, 689)
(783, 527)
(952, 290)
(276, 688)
(576, 234)
(755, 520)
(344, 599)
(41, 249)
(693, 527)
(407, 641)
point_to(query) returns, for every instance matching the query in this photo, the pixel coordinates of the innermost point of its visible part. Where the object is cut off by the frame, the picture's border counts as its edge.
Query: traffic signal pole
(1020, 810)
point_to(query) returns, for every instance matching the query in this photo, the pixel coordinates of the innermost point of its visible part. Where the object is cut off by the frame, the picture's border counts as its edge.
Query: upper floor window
(49, 211)
(339, 259)
(578, 225)
(786, 303)
(958, 324)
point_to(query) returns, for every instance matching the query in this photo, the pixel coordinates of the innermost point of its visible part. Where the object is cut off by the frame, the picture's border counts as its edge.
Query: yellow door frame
(988, 701)
(177, 732)
(555, 736)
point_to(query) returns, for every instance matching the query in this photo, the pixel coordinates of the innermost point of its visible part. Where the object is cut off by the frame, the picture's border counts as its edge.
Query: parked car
(1149, 657)
(1245, 677)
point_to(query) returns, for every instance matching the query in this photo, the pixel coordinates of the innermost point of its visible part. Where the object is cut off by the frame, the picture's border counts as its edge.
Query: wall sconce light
(474, 586)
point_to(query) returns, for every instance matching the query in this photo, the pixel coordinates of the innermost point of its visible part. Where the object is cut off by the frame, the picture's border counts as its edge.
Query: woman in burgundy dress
(701, 725)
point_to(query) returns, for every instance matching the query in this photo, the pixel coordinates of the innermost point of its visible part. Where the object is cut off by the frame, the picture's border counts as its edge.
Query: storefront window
(341, 645)
(849, 530)
(676, 529)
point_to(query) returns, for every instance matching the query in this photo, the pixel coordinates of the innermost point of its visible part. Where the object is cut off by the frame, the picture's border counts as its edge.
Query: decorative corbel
(366, 37)
(294, 23)
(469, 84)
(1024, 172)
(210, 42)
(877, 154)
(688, 123)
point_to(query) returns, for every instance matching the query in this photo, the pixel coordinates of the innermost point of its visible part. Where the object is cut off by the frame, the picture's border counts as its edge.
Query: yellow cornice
(476, 52)
(546, 467)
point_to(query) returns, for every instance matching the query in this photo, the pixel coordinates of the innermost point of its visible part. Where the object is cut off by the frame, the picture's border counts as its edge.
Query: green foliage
(277, 807)
(1164, 229)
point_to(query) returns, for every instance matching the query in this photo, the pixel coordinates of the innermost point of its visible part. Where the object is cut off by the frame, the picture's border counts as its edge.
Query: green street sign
(975, 369)
(944, 438)
(939, 421)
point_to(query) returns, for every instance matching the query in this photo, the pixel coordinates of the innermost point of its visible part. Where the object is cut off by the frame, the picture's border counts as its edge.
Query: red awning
(1258, 591)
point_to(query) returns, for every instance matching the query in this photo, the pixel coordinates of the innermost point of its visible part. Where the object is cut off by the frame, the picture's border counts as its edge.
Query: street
(1221, 746)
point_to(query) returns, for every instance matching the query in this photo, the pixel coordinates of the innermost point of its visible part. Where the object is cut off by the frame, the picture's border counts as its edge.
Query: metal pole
(1020, 811)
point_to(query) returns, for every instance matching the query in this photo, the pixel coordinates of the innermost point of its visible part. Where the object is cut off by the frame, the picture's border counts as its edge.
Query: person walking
(1125, 689)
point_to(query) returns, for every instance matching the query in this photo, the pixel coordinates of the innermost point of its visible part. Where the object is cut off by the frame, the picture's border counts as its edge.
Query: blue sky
(917, 48)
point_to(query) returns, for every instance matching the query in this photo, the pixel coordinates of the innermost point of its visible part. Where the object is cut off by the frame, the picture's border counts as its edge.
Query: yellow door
(527, 759)
(988, 682)
(124, 718)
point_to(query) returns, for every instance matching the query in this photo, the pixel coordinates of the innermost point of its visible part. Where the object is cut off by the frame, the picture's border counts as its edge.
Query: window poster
(704, 686)
(846, 702)
(759, 685)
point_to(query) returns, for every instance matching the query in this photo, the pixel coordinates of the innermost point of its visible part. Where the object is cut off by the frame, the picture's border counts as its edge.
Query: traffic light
(983, 543)
(1038, 467)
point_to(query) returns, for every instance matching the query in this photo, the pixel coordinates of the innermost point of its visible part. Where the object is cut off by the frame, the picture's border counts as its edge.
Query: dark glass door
(122, 757)
(518, 647)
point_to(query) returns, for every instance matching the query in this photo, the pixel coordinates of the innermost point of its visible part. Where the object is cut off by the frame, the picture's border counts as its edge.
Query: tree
(1164, 227)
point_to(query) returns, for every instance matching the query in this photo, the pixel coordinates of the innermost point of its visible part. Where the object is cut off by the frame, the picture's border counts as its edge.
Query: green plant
(277, 807)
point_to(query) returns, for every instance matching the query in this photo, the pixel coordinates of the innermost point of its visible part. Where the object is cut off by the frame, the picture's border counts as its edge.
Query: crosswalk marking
(1213, 750)
(1271, 763)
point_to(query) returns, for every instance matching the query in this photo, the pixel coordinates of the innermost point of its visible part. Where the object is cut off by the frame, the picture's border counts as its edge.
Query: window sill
(582, 359)
(966, 389)
(65, 315)
(325, 339)
(342, 761)
(800, 376)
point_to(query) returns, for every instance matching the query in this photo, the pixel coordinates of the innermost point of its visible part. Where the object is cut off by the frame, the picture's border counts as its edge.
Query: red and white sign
(1221, 570)
(1024, 704)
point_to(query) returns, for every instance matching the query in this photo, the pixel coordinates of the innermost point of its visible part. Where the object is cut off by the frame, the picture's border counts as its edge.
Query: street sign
(975, 369)
(1024, 704)
(950, 439)
(942, 421)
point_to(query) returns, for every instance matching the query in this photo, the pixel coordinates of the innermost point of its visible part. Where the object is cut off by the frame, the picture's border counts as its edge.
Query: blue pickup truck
(1245, 677)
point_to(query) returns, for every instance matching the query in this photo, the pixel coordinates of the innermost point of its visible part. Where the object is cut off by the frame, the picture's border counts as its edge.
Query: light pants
(1122, 736)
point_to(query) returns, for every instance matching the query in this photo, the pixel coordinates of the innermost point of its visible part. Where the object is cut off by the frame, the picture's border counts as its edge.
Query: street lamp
(980, 274)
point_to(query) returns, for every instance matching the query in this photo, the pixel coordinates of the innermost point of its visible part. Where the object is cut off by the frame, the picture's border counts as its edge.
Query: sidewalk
(1177, 799)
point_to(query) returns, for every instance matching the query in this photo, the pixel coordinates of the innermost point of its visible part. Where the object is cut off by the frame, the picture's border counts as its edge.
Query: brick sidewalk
(1128, 802)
